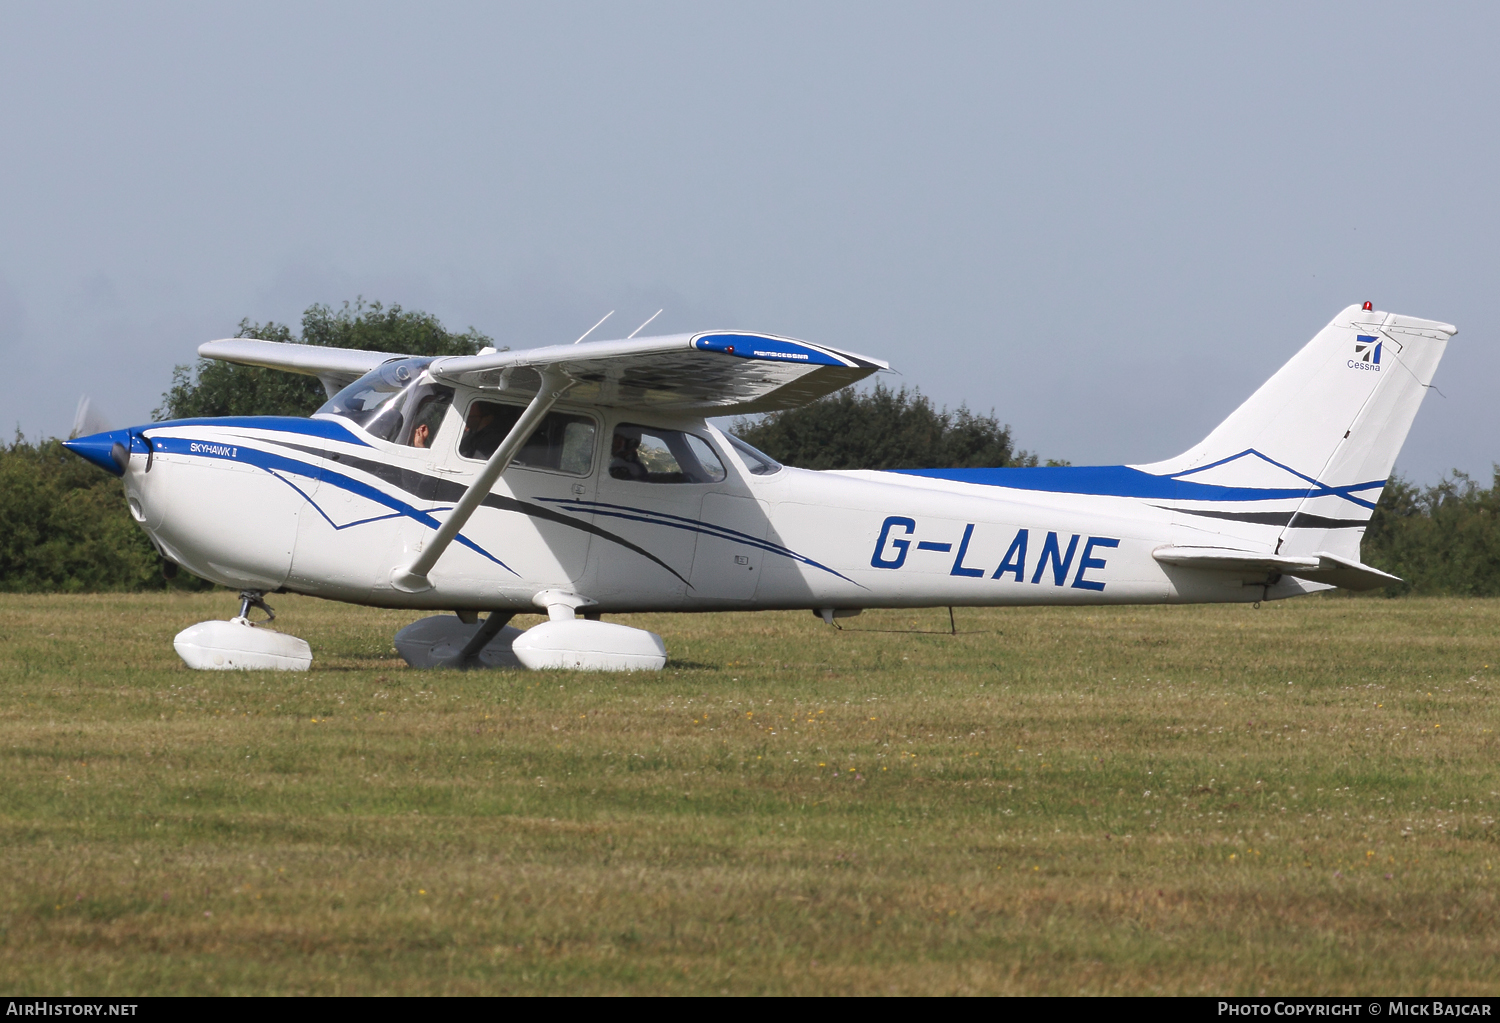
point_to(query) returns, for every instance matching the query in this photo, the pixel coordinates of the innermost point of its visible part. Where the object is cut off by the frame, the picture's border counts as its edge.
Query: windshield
(384, 400)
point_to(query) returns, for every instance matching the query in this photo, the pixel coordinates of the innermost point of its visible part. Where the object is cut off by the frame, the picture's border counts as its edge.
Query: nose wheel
(240, 644)
(255, 599)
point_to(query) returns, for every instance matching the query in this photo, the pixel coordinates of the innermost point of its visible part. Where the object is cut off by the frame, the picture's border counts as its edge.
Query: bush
(1443, 539)
(64, 526)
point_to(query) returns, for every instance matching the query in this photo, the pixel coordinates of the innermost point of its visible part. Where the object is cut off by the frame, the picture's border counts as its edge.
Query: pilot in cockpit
(428, 417)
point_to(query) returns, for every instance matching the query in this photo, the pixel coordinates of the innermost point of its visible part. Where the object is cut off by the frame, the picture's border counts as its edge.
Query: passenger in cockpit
(625, 457)
(483, 431)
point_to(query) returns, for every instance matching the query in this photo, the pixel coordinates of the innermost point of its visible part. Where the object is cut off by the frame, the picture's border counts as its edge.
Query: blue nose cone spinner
(109, 450)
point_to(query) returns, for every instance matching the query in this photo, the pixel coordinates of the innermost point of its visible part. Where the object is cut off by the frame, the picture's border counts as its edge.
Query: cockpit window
(396, 402)
(758, 462)
(647, 454)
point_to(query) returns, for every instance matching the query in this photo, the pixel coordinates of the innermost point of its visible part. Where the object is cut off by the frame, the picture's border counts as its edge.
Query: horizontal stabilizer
(1320, 568)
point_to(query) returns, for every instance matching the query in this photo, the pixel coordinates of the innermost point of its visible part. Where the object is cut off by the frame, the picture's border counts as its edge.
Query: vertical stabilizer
(1319, 438)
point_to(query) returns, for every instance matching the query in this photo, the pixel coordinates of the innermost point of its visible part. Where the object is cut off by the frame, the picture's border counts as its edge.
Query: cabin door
(648, 514)
(534, 526)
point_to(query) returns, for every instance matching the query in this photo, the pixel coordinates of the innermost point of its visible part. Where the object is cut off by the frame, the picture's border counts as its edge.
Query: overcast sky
(1109, 223)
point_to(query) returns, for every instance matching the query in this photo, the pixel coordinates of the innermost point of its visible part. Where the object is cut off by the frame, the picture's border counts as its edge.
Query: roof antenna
(596, 326)
(642, 327)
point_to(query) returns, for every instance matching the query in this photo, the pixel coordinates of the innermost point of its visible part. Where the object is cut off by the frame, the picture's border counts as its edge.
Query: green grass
(1296, 799)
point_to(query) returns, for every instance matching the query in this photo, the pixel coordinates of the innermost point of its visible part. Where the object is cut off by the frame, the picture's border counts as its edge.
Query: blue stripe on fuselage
(276, 464)
(1123, 481)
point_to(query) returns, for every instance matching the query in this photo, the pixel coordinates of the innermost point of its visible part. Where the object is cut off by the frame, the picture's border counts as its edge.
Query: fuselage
(323, 507)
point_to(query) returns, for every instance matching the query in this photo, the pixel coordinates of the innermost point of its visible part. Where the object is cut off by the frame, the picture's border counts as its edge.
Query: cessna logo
(1366, 353)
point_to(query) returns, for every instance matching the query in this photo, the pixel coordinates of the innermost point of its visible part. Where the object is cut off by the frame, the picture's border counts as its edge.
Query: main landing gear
(448, 641)
(563, 641)
(240, 644)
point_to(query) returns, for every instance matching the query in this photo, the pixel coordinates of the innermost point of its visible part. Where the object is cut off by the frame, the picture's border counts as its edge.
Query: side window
(647, 454)
(708, 458)
(758, 462)
(564, 442)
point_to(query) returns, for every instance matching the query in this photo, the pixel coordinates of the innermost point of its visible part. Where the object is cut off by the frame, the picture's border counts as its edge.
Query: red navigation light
(1369, 306)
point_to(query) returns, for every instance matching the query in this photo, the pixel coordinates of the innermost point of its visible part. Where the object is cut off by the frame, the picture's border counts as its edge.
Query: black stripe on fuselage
(1295, 520)
(433, 488)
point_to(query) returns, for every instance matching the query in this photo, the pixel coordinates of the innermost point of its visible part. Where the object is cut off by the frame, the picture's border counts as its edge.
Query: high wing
(1319, 568)
(712, 373)
(336, 368)
(704, 374)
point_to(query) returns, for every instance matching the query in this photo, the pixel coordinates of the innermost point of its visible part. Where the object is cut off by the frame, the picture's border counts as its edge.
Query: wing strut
(414, 579)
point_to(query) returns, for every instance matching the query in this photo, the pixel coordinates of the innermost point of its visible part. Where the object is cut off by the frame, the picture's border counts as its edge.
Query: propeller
(92, 438)
(88, 419)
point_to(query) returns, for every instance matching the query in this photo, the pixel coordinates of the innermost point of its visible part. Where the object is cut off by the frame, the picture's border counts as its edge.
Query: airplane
(586, 479)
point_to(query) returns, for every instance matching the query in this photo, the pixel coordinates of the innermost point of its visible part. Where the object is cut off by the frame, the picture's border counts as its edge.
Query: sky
(1107, 223)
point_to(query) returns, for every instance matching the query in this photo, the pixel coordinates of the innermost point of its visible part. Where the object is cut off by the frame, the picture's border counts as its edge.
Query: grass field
(1295, 799)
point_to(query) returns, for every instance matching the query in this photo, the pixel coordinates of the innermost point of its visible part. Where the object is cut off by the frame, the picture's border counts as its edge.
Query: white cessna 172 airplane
(585, 479)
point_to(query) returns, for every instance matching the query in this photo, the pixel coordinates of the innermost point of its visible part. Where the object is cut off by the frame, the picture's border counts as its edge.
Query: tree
(883, 429)
(1441, 539)
(214, 388)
